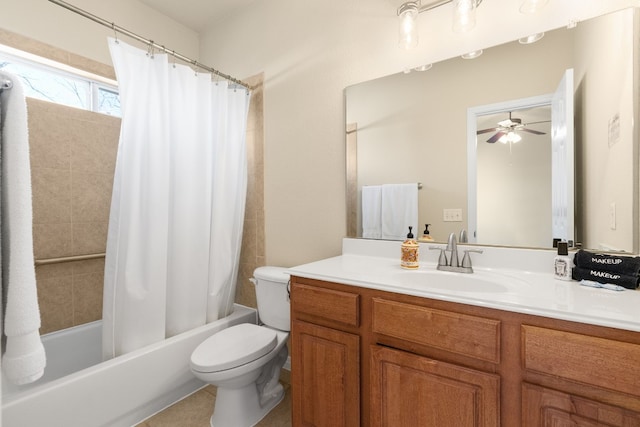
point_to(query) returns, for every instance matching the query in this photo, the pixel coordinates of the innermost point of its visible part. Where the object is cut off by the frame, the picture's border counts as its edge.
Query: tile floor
(195, 411)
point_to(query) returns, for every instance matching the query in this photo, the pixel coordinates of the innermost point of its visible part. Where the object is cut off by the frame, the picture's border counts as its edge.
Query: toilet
(244, 361)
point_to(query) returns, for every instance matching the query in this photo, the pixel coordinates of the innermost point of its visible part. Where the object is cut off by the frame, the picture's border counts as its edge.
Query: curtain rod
(148, 42)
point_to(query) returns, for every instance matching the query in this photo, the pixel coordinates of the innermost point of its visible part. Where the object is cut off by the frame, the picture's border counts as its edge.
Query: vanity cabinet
(543, 407)
(365, 357)
(412, 390)
(325, 354)
(327, 393)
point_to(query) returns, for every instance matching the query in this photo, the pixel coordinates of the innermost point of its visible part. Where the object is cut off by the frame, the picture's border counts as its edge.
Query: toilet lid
(233, 347)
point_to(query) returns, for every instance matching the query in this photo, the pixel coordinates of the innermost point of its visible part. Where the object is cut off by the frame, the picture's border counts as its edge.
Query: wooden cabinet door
(410, 390)
(325, 370)
(543, 407)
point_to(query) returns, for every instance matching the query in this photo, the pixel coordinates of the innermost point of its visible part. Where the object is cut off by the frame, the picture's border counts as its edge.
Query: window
(50, 81)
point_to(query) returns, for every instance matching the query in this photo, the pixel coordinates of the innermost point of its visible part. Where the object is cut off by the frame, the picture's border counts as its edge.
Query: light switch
(452, 215)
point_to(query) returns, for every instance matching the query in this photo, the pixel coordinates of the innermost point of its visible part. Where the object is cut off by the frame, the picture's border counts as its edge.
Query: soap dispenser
(409, 250)
(562, 262)
(426, 237)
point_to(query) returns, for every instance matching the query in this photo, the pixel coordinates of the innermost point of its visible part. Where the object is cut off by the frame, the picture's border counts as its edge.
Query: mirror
(412, 127)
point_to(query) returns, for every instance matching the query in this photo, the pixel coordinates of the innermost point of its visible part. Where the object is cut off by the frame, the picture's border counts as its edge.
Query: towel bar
(59, 260)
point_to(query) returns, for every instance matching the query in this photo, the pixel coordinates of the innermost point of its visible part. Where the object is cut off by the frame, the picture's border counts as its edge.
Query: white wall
(606, 74)
(311, 51)
(49, 23)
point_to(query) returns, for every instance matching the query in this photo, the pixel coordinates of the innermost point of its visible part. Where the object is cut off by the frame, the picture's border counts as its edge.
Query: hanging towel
(625, 265)
(371, 206)
(399, 210)
(24, 359)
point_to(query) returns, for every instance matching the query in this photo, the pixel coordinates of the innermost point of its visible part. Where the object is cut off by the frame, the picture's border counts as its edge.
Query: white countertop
(518, 280)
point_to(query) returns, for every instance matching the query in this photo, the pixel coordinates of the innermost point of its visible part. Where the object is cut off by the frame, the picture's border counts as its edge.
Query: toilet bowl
(244, 361)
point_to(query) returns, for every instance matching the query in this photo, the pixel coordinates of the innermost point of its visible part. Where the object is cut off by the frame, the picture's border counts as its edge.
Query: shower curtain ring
(150, 49)
(115, 33)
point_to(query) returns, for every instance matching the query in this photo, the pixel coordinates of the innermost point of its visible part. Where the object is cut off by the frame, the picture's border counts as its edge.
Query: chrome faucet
(451, 263)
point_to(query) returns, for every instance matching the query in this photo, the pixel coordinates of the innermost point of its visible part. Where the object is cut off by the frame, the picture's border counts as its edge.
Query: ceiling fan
(506, 131)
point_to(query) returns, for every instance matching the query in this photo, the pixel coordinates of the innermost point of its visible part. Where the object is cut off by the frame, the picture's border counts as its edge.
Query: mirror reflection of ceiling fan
(507, 130)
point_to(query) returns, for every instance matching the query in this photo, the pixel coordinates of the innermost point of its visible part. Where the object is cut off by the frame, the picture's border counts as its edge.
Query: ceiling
(197, 14)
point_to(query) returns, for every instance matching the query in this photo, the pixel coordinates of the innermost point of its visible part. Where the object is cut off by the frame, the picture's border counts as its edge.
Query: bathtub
(78, 389)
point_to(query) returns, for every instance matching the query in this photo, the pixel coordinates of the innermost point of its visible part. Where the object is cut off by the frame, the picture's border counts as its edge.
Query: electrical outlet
(452, 215)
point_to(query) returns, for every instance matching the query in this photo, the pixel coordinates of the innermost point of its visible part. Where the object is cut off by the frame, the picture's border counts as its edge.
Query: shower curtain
(178, 200)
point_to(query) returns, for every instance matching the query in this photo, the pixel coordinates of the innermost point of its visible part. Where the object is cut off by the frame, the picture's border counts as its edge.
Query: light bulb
(408, 30)
(510, 136)
(464, 15)
(532, 6)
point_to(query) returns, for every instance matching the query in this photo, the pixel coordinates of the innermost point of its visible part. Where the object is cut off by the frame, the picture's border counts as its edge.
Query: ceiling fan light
(510, 137)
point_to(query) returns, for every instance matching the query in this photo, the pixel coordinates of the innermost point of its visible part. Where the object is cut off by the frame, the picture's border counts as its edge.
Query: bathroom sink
(477, 282)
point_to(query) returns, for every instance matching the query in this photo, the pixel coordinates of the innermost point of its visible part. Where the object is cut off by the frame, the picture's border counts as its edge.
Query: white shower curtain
(177, 207)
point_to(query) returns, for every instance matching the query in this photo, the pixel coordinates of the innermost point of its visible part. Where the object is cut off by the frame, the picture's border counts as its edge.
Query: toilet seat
(233, 347)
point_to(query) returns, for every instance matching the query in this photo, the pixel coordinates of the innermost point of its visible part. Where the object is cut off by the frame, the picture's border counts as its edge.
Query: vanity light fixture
(532, 6)
(464, 18)
(531, 39)
(472, 55)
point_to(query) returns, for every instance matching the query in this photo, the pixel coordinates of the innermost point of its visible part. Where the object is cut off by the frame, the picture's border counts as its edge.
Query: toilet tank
(272, 294)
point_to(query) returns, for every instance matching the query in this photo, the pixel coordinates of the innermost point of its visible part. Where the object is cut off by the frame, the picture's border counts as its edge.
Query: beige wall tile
(89, 237)
(90, 151)
(48, 142)
(44, 272)
(55, 300)
(51, 195)
(91, 197)
(52, 240)
(88, 266)
(87, 297)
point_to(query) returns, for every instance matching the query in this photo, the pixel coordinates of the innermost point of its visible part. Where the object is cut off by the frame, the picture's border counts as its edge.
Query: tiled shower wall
(73, 159)
(73, 155)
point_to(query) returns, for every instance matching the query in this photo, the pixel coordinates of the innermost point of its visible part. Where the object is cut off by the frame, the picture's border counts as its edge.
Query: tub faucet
(451, 263)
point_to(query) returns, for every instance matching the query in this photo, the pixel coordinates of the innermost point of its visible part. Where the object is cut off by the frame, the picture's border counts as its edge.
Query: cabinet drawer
(597, 361)
(471, 336)
(328, 304)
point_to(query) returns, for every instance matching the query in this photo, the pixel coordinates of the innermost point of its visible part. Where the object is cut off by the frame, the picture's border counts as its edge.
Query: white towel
(371, 209)
(24, 359)
(399, 210)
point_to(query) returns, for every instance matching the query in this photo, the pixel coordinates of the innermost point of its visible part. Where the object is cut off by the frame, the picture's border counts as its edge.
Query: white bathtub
(80, 390)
